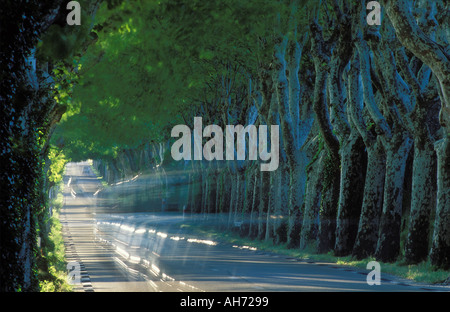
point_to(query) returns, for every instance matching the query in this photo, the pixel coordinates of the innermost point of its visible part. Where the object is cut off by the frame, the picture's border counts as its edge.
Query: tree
(29, 114)
(437, 58)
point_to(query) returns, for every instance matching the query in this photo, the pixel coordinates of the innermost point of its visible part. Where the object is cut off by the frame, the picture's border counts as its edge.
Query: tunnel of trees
(363, 110)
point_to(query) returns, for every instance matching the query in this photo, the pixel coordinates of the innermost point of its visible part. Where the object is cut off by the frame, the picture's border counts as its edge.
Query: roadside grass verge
(52, 271)
(423, 272)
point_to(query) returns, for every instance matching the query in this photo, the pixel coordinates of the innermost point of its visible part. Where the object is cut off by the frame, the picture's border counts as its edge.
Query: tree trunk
(197, 192)
(189, 192)
(224, 199)
(288, 99)
(263, 204)
(212, 188)
(272, 207)
(422, 202)
(233, 190)
(204, 188)
(440, 251)
(226, 191)
(367, 236)
(253, 226)
(350, 197)
(26, 254)
(313, 194)
(330, 197)
(297, 186)
(219, 191)
(330, 192)
(248, 199)
(435, 56)
(389, 240)
(281, 216)
(360, 87)
(240, 192)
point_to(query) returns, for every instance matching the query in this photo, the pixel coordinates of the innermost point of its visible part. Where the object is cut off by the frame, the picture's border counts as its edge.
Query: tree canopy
(363, 111)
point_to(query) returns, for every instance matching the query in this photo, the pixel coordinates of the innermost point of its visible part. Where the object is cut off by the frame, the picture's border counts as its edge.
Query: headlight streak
(138, 248)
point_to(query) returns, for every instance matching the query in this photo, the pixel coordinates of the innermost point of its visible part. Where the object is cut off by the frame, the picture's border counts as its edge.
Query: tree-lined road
(152, 252)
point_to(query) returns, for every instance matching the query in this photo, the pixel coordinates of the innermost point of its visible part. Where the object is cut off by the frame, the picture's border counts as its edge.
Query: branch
(398, 98)
(369, 97)
(321, 56)
(355, 101)
(411, 79)
(339, 60)
(430, 52)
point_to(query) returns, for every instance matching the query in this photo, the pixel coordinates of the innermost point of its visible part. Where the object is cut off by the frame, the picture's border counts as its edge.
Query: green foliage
(51, 262)
(148, 61)
(60, 42)
(56, 169)
(153, 61)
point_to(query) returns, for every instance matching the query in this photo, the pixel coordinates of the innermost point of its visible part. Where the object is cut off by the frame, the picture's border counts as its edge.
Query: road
(148, 251)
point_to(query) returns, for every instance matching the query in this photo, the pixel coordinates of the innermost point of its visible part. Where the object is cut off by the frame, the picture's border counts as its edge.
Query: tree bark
(351, 194)
(389, 240)
(297, 184)
(330, 197)
(197, 192)
(282, 208)
(254, 213)
(212, 187)
(437, 58)
(330, 189)
(274, 204)
(367, 236)
(233, 196)
(294, 132)
(427, 50)
(248, 199)
(263, 204)
(240, 193)
(440, 250)
(422, 202)
(310, 226)
(359, 87)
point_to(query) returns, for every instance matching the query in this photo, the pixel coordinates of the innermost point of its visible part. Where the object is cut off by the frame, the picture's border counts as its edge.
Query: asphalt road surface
(142, 252)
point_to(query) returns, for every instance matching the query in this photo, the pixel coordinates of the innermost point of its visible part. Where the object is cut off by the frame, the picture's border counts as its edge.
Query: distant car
(86, 170)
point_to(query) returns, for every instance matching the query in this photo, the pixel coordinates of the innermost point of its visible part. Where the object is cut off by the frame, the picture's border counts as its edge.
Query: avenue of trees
(363, 110)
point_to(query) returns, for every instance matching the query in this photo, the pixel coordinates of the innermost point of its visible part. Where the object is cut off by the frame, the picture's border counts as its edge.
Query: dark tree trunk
(351, 194)
(330, 197)
(310, 226)
(440, 250)
(367, 237)
(422, 202)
